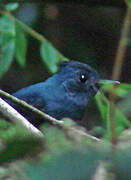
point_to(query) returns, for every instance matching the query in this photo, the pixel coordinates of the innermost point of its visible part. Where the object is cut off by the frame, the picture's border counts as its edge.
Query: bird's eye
(83, 77)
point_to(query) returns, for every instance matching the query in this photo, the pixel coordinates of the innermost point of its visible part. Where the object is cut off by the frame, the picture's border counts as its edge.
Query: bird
(65, 94)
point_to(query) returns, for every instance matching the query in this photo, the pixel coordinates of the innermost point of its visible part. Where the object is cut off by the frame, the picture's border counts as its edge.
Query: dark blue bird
(65, 94)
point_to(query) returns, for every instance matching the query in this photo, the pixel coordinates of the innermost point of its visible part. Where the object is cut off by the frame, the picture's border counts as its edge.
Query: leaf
(6, 25)
(125, 105)
(126, 86)
(7, 53)
(11, 6)
(104, 107)
(7, 43)
(20, 45)
(104, 110)
(120, 91)
(128, 2)
(50, 56)
(18, 144)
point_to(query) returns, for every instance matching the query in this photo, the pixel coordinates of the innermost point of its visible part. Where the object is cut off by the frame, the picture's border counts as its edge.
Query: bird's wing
(32, 95)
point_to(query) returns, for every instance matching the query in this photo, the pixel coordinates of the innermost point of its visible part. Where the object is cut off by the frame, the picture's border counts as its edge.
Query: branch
(102, 172)
(26, 105)
(17, 118)
(78, 132)
(28, 125)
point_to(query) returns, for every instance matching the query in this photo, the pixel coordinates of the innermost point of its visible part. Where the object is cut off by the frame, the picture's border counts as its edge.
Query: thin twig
(46, 116)
(25, 27)
(14, 116)
(80, 132)
(26, 105)
(117, 70)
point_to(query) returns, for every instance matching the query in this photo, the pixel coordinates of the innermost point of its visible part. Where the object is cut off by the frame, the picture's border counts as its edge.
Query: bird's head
(75, 84)
(79, 79)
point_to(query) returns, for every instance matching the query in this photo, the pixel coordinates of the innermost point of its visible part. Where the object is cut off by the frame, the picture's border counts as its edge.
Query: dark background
(85, 32)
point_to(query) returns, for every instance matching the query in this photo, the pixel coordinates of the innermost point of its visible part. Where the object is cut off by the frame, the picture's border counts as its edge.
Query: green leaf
(7, 53)
(7, 43)
(11, 6)
(128, 2)
(120, 119)
(125, 105)
(121, 91)
(18, 143)
(50, 56)
(125, 86)
(104, 109)
(20, 45)
(6, 25)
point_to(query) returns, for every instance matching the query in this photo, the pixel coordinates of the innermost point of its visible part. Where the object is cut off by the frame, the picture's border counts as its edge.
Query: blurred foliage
(20, 45)
(16, 142)
(121, 119)
(128, 3)
(11, 6)
(50, 56)
(60, 155)
(13, 43)
(7, 43)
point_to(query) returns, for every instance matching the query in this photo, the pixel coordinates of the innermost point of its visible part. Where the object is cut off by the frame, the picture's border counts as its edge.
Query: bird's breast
(66, 106)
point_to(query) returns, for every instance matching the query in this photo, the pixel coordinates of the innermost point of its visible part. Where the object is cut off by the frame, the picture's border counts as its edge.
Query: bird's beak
(104, 81)
(100, 82)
